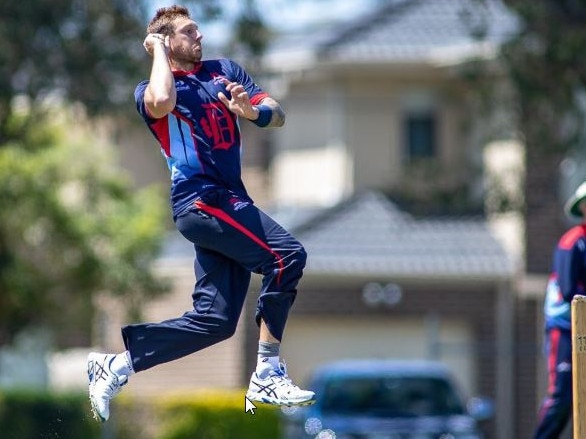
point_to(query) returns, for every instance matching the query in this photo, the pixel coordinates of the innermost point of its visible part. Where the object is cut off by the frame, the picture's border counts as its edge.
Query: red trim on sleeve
(570, 237)
(257, 99)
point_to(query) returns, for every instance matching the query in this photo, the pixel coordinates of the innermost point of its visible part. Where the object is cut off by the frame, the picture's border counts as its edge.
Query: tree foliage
(71, 227)
(78, 51)
(85, 51)
(251, 32)
(547, 67)
(546, 76)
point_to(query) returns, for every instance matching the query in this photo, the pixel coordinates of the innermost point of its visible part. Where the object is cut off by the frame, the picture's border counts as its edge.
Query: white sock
(122, 364)
(265, 364)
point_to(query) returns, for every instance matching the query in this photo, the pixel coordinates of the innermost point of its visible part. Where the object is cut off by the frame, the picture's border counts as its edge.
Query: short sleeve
(139, 99)
(239, 75)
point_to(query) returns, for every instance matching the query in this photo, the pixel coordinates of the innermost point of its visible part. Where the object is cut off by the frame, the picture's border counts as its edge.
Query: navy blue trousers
(557, 407)
(232, 239)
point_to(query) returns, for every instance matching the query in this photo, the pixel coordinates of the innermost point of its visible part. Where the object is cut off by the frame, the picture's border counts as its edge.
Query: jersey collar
(195, 69)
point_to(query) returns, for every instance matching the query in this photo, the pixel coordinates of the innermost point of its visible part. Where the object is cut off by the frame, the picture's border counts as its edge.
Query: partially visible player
(567, 279)
(193, 108)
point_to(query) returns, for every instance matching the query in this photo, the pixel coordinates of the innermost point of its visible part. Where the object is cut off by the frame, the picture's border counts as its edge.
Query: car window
(395, 397)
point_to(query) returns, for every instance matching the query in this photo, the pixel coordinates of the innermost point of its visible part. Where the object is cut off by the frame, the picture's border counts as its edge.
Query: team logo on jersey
(218, 125)
(218, 79)
(237, 203)
(181, 85)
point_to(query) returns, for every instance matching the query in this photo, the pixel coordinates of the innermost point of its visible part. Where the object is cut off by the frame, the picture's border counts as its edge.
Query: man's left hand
(239, 103)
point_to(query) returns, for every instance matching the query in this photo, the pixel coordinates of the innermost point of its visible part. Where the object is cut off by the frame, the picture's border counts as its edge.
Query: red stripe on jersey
(161, 129)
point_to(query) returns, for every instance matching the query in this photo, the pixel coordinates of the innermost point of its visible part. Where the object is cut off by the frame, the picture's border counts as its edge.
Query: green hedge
(34, 415)
(202, 415)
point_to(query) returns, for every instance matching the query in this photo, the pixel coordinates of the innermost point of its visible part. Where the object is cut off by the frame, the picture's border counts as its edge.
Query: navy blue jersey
(567, 279)
(200, 138)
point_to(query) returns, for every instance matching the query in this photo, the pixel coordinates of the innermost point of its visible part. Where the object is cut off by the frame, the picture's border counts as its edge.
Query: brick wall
(528, 354)
(544, 217)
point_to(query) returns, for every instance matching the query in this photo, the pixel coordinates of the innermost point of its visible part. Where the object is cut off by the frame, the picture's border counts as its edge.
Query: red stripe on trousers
(220, 214)
(552, 359)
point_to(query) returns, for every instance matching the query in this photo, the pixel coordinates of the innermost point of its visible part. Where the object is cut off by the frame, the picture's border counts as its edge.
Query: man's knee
(299, 258)
(221, 327)
(292, 269)
(225, 328)
(303, 255)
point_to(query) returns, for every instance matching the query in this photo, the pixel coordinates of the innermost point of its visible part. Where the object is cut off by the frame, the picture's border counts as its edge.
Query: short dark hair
(162, 22)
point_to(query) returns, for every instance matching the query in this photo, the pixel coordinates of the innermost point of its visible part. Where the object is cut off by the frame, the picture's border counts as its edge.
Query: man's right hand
(152, 40)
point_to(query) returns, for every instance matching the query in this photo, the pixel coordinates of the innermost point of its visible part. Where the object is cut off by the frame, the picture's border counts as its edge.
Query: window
(420, 130)
(391, 396)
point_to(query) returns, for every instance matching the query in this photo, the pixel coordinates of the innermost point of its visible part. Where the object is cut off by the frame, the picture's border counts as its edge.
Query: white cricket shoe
(103, 384)
(278, 389)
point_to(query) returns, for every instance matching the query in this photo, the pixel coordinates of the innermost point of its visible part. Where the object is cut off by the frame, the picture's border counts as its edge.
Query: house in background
(381, 102)
(383, 134)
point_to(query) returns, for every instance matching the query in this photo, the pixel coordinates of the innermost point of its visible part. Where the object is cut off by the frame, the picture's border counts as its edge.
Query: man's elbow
(279, 118)
(164, 103)
(161, 106)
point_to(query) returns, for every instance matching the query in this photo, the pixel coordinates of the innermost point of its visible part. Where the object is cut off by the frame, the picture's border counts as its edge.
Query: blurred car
(386, 399)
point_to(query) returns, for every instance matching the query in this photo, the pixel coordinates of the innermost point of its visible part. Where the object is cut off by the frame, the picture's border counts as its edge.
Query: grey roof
(412, 31)
(369, 235)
